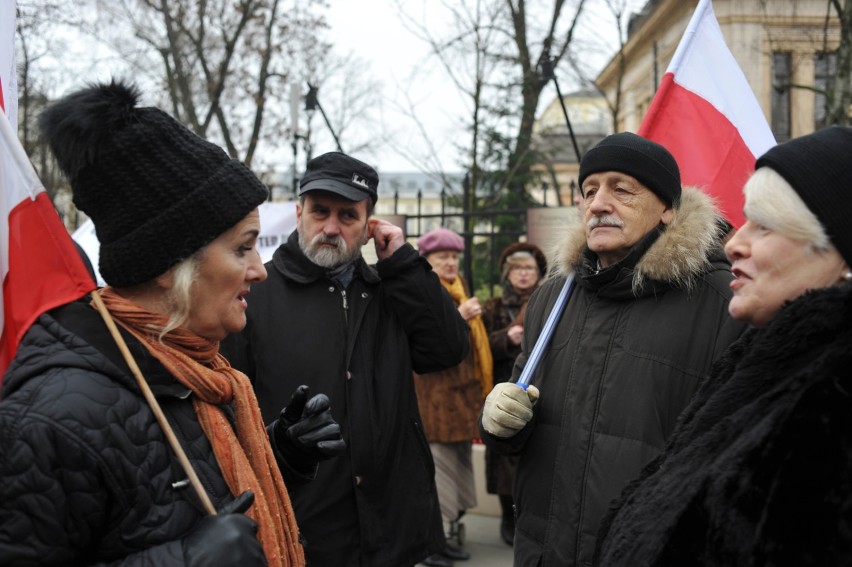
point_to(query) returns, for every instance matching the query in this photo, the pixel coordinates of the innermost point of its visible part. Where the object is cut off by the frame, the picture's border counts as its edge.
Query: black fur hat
(156, 192)
(819, 168)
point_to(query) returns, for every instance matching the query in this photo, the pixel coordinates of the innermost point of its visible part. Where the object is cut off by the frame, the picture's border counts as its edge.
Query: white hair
(772, 202)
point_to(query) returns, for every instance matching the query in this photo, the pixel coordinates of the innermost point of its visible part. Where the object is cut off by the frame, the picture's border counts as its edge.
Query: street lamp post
(548, 74)
(312, 103)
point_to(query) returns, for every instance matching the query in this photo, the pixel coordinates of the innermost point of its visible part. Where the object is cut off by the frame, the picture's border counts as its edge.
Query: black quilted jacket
(86, 475)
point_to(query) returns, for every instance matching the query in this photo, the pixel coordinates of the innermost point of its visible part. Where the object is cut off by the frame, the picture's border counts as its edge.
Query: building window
(825, 66)
(781, 75)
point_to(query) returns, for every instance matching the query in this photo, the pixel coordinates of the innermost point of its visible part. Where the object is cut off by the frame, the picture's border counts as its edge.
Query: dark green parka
(628, 353)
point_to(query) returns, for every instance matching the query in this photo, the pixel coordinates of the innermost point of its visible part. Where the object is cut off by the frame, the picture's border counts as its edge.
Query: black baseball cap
(344, 175)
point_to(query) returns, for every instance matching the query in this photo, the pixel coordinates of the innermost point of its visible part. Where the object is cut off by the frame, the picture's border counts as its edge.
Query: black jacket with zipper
(376, 503)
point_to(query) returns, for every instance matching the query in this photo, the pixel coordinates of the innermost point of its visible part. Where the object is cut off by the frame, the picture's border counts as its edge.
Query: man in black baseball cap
(355, 332)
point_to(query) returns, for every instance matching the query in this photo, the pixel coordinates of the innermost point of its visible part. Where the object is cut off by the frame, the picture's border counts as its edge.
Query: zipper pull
(345, 301)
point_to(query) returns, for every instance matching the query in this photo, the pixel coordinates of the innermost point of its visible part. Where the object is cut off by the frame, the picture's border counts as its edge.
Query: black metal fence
(484, 241)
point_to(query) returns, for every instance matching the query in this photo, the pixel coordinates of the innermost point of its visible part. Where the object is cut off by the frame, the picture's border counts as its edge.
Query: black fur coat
(759, 470)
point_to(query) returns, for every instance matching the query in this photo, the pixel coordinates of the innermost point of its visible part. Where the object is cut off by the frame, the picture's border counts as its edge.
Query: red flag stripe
(711, 153)
(45, 270)
(706, 114)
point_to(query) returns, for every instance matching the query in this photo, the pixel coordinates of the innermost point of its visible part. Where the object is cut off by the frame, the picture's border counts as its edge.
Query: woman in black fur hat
(125, 437)
(759, 470)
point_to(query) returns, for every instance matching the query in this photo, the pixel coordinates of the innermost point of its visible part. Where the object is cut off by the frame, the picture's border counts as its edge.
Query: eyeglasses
(522, 269)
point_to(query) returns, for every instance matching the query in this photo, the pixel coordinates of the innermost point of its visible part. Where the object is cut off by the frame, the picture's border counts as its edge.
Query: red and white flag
(39, 266)
(705, 113)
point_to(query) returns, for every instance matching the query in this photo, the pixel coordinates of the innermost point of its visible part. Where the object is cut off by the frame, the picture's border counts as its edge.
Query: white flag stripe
(8, 72)
(720, 87)
(9, 171)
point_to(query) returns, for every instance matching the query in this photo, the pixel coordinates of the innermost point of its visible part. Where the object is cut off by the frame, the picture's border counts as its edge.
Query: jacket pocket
(424, 450)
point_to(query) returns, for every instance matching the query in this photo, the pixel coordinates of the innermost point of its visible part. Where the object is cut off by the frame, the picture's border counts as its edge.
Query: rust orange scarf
(245, 456)
(478, 338)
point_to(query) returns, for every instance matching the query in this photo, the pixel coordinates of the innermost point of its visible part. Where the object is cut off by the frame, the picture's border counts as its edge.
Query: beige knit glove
(508, 408)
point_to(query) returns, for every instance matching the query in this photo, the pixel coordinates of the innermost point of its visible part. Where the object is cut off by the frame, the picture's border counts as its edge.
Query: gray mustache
(324, 239)
(604, 221)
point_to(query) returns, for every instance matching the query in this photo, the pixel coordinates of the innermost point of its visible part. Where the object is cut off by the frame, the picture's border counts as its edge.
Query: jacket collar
(290, 261)
(681, 252)
(88, 345)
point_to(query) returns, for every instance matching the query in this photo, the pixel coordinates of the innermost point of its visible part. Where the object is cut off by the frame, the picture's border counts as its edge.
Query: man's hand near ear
(387, 237)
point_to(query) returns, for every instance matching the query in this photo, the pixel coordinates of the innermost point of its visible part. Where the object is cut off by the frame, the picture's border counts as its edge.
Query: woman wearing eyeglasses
(522, 266)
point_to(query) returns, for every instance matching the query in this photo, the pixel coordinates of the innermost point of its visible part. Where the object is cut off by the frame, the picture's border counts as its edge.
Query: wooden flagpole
(155, 406)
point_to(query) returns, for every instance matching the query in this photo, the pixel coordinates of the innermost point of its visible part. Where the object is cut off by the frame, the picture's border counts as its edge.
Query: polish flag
(707, 116)
(39, 265)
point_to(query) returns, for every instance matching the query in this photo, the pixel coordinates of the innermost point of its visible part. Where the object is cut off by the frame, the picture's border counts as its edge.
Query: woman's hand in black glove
(228, 538)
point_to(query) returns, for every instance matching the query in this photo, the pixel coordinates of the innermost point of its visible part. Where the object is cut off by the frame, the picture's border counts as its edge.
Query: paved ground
(482, 541)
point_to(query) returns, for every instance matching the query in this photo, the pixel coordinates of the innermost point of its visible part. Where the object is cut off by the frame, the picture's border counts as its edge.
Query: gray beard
(326, 257)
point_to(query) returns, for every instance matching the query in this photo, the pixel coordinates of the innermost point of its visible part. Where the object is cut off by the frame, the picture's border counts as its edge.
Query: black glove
(305, 433)
(228, 538)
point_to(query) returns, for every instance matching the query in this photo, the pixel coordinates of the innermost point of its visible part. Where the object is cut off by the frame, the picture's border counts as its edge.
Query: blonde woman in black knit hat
(125, 437)
(759, 470)
(522, 266)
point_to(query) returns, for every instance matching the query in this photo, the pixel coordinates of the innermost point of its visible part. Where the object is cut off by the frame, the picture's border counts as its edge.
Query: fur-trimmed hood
(683, 251)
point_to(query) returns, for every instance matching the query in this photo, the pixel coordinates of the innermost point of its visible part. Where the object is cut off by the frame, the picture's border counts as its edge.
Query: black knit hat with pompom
(156, 192)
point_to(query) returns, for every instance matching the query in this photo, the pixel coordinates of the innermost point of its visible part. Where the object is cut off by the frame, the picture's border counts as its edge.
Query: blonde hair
(772, 202)
(180, 296)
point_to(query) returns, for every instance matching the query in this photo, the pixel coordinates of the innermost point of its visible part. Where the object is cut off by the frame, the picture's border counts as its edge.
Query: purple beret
(439, 239)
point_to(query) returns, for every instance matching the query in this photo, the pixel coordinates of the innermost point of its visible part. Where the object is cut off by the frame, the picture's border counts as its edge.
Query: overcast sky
(371, 30)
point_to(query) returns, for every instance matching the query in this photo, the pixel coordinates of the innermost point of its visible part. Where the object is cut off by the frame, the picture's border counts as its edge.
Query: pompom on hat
(156, 192)
(819, 168)
(649, 162)
(439, 239)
